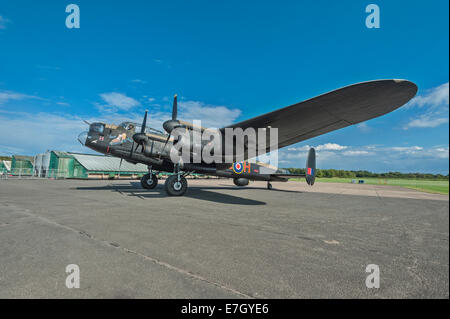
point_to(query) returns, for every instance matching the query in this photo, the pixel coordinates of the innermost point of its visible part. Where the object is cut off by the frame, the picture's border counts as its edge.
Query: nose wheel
(176, 185)
(149, 181)
(269, 186)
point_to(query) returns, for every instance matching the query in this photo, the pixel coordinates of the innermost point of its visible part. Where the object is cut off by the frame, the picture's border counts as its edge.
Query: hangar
(22, 165)
(5, 166)
(57, 164)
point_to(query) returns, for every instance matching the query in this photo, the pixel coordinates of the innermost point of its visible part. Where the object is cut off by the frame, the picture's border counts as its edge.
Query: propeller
(140, 138)
(172, 124)
(120, 165)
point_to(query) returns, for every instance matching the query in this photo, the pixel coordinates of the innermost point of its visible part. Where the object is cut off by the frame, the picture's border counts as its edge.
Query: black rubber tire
(269, 186)
(149, 182)
(171, 187)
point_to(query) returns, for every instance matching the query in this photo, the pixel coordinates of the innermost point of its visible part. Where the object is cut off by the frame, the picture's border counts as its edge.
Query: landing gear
(176, 185)
(269, 186)
(149, 181)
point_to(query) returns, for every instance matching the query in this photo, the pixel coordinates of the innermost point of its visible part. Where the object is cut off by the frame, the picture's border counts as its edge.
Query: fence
(30, 173)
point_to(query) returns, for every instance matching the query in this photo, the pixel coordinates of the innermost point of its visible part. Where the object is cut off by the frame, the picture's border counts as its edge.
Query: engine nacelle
(185, 142)
(153, 147)
(241, 181)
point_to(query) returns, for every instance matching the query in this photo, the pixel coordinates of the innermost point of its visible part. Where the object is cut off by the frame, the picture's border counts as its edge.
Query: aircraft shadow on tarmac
(195, 192)
(135, 189)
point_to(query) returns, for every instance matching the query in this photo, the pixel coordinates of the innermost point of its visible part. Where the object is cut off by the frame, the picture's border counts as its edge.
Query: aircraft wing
(334, 110)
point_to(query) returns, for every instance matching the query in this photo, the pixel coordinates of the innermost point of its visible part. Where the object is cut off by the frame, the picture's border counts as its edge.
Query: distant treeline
(5, 158)
(358, 174)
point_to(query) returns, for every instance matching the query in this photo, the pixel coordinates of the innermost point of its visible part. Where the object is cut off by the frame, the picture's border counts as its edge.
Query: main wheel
(175, 187)
(269, 186)
(149, 181)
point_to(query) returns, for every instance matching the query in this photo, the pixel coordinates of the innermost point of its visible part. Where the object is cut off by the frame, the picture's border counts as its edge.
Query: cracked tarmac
(221, 241)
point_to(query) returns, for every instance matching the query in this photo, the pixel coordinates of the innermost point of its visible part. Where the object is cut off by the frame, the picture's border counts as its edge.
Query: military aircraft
(137, 143)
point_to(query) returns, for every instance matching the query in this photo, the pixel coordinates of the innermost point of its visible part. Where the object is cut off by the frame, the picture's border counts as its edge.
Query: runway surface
(221, 241)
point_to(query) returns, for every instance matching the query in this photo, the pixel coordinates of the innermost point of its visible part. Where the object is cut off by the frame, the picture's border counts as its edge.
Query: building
(56, 164)
(5, 167)
(41, 164)
(22, 165)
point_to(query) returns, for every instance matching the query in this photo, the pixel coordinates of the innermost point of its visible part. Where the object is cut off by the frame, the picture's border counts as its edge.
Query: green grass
(424, 185)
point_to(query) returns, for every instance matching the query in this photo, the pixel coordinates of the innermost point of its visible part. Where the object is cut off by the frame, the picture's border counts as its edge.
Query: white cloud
(435, 103)
(213, 116)
(441, 152)
(35, 133)
(405, 148)
(427, 120)
(28, 133)
(3, 22)
(209, 115)
(355, 153)
(331, 147)
(299, 149)
(363, 127)
(6, 96)
(323, 147)
(376, 158)
(117, 100)
(435, 97)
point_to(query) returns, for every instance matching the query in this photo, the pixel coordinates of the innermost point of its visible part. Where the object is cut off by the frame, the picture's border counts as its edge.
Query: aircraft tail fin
(311, 167)
(310, 170)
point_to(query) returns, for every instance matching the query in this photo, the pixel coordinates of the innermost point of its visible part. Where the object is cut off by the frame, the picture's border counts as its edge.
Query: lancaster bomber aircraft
(137, 143)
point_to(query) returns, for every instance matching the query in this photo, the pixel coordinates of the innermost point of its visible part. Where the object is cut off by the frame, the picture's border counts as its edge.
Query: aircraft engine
(240, 181)
(153, 147)
(185, 142)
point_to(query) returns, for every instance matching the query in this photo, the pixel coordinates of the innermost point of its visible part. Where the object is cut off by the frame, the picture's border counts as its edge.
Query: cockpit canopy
(97, 128)
(137, 128)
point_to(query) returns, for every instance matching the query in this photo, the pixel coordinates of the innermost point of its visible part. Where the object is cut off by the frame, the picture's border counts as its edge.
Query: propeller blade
(86, 122)
(140, 138)
(144, 123)
(174, 108)
(168, 137)
(120, 165)
(131, 151)
(170, 125)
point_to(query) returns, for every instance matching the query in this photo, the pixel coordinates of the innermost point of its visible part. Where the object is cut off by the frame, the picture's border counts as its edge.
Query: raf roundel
(238, 168)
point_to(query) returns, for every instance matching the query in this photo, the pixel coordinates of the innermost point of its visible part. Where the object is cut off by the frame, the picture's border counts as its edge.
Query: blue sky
(228, 61)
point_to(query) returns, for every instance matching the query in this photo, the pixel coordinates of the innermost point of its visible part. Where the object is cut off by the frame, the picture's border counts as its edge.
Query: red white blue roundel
(238, 168)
